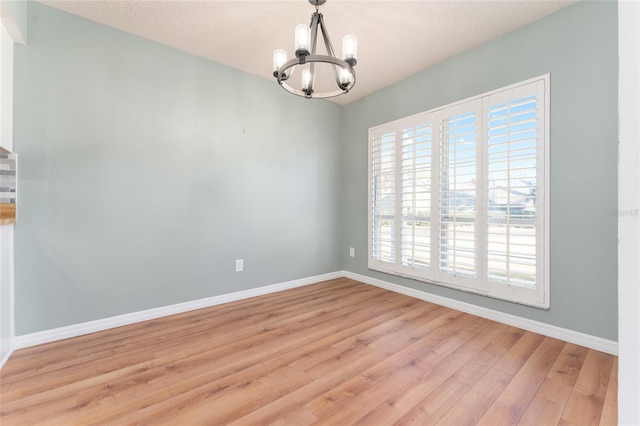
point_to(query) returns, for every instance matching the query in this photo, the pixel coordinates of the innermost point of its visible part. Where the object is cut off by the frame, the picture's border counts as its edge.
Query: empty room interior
(435, 222)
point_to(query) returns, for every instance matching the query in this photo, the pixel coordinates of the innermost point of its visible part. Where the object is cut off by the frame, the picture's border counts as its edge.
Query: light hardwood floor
(336, 353)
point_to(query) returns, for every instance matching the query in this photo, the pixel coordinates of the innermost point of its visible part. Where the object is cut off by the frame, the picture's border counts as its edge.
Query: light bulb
(302, 38)
(349, 47)
(345, 77)
(306, 79)
(279, 58)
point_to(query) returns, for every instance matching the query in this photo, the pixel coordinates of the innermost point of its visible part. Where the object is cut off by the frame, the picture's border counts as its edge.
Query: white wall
(12, 29)
(6, 232)
(629, 214)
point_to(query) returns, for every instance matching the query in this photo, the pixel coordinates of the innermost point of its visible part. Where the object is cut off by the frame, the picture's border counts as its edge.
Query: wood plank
(364, 393)
(549, 403)
(474, 403)
(587, 399)
(429, 409)
(429, 351)
(610, 409)
(489, 355)
(594, 379)
(448, 366)
(340, 375)
(493, 341)
(582, 409)
(277, 410)
(568, 365)
(520, 352)
(513, 401)
(300, 417)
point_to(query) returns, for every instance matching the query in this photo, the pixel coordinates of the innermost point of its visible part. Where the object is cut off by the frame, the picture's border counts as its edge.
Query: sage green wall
(145, 172)
(578, 47)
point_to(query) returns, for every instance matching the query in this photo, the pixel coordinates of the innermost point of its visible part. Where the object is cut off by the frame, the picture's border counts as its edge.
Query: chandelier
(306, 38)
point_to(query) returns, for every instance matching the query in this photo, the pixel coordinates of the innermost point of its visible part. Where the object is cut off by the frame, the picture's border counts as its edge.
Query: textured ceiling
(395, 38)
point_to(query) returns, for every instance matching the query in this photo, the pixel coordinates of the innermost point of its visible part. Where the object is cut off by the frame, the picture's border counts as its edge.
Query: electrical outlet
(239, 265)
(352, 252)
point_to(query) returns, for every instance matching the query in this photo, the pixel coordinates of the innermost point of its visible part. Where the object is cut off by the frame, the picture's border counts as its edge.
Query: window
(458, 195)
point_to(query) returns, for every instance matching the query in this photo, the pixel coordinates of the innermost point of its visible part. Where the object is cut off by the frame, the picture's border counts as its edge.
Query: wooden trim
(7, 214)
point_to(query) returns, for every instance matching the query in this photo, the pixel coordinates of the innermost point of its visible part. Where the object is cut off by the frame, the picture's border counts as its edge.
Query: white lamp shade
(349, 47)
(306, 78)
(279, 58)
(303, 35)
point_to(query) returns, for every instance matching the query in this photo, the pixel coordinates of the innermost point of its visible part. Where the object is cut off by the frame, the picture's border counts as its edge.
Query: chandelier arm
(315, 18)
(327, 41)
(329, 48)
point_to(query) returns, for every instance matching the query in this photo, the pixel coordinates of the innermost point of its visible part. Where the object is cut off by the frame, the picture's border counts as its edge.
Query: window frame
(481, 284)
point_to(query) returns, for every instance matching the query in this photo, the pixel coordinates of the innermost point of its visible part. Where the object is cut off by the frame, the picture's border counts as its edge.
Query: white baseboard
(6, 357)
(578, 338)
(571, 336)
(75, 330)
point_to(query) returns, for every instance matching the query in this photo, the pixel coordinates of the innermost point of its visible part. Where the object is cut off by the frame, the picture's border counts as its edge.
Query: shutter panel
(383, 195)
(416, 151)
(458, 195)
(511, 191)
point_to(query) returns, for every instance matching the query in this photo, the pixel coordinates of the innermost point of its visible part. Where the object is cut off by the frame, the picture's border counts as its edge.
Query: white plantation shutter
(382, 206)
(416, 158)
(458, 195)
(458, 212)
(511, 192)
(514, 192)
